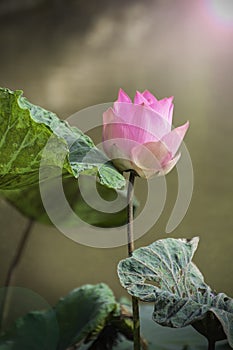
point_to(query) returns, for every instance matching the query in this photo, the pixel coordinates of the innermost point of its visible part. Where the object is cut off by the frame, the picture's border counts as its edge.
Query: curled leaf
(164, 273)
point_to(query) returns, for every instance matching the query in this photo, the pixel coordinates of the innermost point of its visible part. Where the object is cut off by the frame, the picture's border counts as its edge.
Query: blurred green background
(67, 55)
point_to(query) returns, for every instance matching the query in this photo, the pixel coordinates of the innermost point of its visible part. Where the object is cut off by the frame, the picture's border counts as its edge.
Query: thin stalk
(135, 306)
(11, 272)
(211, 344)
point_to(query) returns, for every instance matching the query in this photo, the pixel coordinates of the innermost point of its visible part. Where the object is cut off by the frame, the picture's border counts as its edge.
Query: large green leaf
(76, 318)
(163, 273)
(83, 313)
(25, 130)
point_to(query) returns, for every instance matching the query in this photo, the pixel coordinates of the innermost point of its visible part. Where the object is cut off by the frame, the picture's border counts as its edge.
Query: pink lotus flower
(137, 135)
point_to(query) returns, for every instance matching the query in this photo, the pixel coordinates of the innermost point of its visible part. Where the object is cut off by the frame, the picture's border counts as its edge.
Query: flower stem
(211, 344)
(135, 306)
(11, 272)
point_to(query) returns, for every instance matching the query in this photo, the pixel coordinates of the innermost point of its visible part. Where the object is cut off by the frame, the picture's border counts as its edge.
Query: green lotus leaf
(33, 139)
(38, 149)
(76, 318)
(164, 273)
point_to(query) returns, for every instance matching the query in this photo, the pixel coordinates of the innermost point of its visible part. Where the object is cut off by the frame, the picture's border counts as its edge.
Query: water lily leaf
(25, 130)
(164, 273)
(76, 318)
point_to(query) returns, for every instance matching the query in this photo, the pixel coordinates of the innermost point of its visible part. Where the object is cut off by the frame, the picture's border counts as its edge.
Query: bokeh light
(222, 10)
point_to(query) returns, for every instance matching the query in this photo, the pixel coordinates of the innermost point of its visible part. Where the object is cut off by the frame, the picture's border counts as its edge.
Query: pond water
(78, 55)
